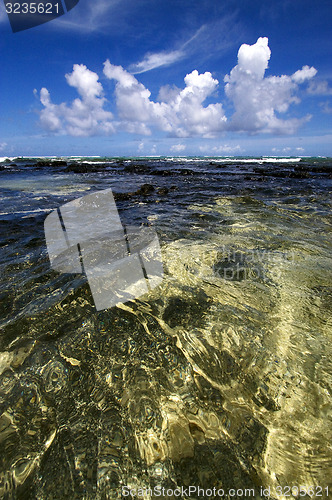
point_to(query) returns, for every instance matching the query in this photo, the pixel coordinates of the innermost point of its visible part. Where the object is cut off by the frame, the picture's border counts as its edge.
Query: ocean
(219, 378)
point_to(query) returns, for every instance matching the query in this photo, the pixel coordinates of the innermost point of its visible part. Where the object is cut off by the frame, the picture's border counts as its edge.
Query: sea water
(219, 378)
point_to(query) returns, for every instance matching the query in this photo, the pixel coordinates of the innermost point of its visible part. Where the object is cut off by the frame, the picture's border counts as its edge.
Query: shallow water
(220, 377)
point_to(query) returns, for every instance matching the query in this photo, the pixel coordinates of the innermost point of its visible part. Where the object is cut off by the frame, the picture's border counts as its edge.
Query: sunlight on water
(221, 376)
(272, 332)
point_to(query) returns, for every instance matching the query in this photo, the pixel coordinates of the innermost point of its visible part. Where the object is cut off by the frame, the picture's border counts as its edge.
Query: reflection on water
(220, 377)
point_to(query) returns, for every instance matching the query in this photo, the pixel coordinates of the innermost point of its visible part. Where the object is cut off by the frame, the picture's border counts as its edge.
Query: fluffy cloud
(258, 100)
(178, 148)
(182, 114)
(326, 108)
(306, 73)
(288, 150)
(253, 59)
(221, 150)
(319, 88)
(85, 116)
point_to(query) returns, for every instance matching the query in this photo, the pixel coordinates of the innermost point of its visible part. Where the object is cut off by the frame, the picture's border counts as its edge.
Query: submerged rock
(51, 163)
(122, 196)
(84, 168)
(145, 189)
(299, 175)
(323, 169)
(181, 312)
(163, 191)
(137, 169)
(173, 172)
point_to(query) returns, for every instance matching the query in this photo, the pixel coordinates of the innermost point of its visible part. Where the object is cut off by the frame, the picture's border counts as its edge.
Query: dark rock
(78, 168)
(145, 189)
(272, 172)
(302, 168)
(164, 173)
(323, 169)
(255, 178)
(172, 172)
(252, 435)
(299, 175)
(261, 398)
(279, 173)
(83, 168)
(122, 196)
(137, 169)
(59, 163)
(163, 191)
(181, 312)
(51, 163)
(186, 171)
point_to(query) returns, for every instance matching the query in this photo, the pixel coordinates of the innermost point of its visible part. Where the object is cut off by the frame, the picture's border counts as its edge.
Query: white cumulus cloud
(182, 114)
(319, 88)
(223, 149)
(258, 101)
(306, 73)
(86, 115)
(178, 148)
(256, 98)
(253, 59)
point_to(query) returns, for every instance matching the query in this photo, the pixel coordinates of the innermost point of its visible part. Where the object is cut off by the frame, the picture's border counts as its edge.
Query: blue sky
(175, 77)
